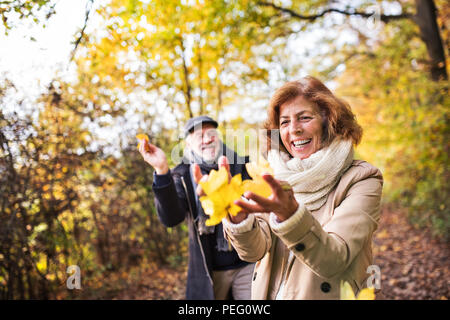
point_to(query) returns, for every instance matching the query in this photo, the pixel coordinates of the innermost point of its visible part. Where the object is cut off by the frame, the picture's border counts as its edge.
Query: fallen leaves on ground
(147, 282)
(413, 264)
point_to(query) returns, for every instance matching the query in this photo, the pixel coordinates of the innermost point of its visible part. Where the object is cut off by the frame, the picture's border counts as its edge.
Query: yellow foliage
(142, 136)
(221, 193)
(348, 294)
(257, 169)
(216, 179)
(258, 185)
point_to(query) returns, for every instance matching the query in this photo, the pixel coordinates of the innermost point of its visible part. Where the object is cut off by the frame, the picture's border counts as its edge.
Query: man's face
(204, 141)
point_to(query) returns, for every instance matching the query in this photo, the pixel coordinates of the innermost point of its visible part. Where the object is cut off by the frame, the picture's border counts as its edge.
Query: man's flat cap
(192, 123)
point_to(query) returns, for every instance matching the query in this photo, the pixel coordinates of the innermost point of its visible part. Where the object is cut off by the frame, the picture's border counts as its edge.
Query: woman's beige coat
(330, 244)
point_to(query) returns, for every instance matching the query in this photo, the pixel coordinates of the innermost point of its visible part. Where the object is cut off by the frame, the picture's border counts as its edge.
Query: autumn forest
(74, 190)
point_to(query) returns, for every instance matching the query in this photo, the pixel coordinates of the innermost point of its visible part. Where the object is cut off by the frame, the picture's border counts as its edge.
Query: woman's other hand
(282, 201)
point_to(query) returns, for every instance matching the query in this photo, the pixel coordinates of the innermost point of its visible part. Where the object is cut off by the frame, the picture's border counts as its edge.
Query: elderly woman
(316, 228)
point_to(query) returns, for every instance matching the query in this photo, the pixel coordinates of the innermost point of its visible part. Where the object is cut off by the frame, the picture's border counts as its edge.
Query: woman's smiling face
(300, 127)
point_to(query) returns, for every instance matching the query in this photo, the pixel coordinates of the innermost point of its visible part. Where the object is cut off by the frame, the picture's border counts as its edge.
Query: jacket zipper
(196, 231)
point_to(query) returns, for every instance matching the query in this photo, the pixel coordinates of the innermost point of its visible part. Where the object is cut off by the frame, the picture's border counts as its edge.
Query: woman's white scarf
(313, 178)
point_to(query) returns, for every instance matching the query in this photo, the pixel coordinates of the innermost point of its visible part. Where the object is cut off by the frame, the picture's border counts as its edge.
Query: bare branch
(383, 17)
(89, 5)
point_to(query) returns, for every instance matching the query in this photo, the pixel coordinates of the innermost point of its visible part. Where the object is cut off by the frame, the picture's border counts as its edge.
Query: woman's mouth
(300, 144)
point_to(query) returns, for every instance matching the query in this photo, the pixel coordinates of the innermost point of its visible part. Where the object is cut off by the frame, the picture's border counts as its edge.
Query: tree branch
(89, 5)
(383, 17)
(187, 83)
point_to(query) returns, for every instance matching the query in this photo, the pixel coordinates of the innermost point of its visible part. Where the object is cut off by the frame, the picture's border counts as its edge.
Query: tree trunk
(200, 78)
(426, 19)
(187, 91)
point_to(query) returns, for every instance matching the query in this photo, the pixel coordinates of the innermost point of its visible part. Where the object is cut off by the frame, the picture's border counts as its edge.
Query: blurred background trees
(74, 189)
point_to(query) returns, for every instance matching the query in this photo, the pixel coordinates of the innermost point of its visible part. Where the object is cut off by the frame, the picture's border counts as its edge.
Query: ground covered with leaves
(413, 265)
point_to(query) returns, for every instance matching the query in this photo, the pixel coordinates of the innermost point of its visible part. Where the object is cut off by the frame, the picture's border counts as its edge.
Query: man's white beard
(210, 153)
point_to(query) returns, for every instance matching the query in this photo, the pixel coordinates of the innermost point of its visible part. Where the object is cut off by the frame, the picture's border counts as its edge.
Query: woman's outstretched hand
(282, 201)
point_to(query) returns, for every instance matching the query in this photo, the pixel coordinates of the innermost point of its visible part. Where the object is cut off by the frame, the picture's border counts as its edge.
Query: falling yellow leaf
(348, 294)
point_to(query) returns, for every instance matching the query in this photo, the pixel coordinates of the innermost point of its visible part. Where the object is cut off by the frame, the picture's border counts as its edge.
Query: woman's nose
(295, 127)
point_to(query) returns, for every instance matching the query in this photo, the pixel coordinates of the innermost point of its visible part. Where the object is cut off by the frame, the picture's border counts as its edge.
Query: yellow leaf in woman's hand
(257, 169)
(216, 179)
(222, 192)
(215, 207)
(212, 204)
(232, 192)
(220, 195)
(258, 185)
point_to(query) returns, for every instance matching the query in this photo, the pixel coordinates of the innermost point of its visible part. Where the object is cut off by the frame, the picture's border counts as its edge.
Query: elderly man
(215, 270)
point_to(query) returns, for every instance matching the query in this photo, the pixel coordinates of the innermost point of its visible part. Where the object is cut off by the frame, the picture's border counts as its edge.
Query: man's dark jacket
(172, 210)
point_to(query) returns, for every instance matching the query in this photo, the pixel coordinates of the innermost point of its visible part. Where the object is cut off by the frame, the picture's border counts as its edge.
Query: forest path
(412, 263)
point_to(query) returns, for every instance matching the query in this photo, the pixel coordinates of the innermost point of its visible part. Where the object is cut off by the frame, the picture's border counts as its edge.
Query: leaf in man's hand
(142, 136)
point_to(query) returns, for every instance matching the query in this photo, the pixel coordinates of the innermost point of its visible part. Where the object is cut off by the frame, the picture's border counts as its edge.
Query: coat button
(325, 287)
(300, 247)
(254, 276)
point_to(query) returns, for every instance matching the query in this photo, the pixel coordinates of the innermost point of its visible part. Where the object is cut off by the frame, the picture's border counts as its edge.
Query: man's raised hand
(154, 156)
